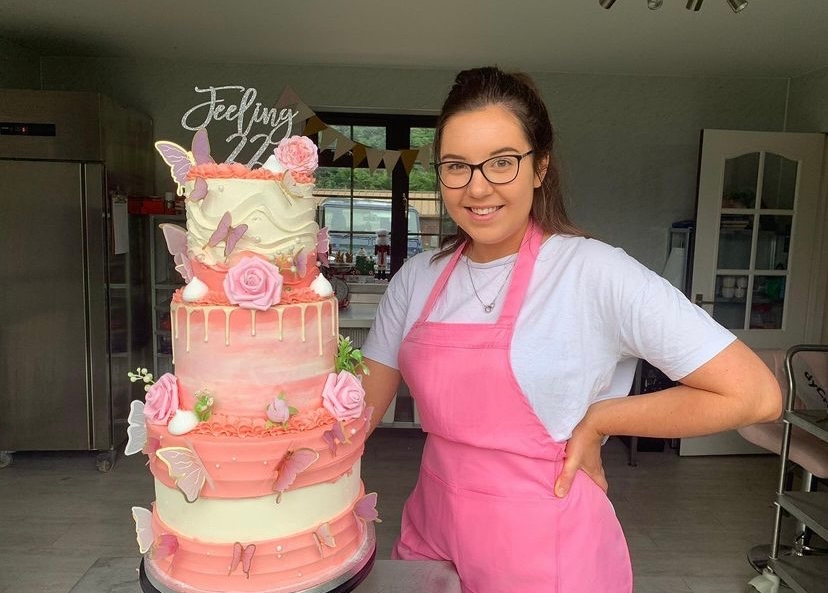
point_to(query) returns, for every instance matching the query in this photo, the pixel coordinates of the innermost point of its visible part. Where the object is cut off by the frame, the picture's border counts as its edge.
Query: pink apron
(484, 498)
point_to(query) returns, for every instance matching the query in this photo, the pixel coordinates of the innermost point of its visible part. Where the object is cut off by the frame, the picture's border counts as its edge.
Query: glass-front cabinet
(757, 219)
(165, 281)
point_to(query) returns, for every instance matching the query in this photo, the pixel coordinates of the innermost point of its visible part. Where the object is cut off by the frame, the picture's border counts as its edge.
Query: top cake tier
(260, 221)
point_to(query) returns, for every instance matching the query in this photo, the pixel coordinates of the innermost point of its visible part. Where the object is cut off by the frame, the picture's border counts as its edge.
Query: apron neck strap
(518, 283)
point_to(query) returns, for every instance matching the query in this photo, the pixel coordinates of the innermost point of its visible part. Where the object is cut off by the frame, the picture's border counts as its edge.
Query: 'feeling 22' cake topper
(246, 112)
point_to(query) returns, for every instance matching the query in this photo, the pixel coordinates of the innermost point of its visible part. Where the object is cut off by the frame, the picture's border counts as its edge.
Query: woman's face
(494, 215)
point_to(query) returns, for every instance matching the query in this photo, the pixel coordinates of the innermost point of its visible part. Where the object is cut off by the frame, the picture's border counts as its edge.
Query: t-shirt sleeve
(387, 332)
(663, 327)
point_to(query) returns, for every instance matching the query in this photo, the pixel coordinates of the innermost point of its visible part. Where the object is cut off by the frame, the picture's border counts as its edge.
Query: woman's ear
(540, 173)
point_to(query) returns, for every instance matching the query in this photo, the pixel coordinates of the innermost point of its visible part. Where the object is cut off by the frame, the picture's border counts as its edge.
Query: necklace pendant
(488, 308)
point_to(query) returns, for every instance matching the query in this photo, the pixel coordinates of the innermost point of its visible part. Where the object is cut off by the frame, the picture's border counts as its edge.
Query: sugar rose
(343, 396)
(253, 283)
(298, 154)
(161, 399)
(278, 411)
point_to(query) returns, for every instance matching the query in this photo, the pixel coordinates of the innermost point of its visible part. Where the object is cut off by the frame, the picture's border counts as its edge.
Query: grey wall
(628, 146)
(19, 67)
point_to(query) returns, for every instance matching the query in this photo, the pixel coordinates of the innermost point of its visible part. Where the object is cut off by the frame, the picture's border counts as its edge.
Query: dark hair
(480, 87)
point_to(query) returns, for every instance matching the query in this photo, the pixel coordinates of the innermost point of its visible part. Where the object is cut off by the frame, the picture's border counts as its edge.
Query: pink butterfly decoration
(179, 160)
(185, 468)
(301, 263)
(176, 238)
(368, 413)
(227, 233)
(293, 463)
(201, 148)
(323, 537)
(365, 510)
(334, 435)
(199, 189)
(323, 245)
(166, 545)
(151, 448)
(243, 555)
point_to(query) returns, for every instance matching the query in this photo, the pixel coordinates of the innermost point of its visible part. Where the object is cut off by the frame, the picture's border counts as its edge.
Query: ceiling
(770, 38)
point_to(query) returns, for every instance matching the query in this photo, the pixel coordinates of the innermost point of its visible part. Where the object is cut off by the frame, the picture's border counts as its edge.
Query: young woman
(518, 342)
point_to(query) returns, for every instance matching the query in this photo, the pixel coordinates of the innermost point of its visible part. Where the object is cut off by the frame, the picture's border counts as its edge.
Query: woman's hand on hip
(583, 452)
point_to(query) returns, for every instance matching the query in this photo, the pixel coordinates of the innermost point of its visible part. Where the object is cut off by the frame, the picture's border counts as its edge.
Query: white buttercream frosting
(279, 225)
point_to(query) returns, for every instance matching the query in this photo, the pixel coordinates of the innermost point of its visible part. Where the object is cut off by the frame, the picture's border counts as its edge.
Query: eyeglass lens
(499, 169)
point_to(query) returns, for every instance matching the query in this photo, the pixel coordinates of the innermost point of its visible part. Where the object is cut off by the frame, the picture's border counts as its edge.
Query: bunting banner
(308, 124)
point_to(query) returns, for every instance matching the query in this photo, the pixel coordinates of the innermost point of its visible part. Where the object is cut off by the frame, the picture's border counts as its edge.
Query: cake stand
(351, 575)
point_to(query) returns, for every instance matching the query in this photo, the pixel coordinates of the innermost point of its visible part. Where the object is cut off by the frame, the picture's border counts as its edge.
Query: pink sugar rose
(278, 411)
(298, 154)
(161, 399)
(343, 396)
(253, 283)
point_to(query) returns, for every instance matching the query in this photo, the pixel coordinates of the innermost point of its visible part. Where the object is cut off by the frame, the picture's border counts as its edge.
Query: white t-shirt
(589, 313)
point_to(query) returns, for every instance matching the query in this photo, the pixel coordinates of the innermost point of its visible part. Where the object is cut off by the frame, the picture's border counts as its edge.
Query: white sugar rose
(343, 396)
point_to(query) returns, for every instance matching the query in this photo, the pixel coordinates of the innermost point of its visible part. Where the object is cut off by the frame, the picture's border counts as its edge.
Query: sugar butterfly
(227, 233)
(323, 537)
(243, 555)
(185, 468)
(176, 238)
(143, 528)
(365, 509)
(333, 436)
(293, 463)
(181, 161)
(323, 245)
(137, 429)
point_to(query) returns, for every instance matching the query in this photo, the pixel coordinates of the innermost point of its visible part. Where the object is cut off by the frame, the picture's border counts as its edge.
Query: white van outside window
(353, 224)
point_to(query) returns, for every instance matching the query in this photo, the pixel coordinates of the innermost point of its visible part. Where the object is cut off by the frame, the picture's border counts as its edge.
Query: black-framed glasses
(498, 170)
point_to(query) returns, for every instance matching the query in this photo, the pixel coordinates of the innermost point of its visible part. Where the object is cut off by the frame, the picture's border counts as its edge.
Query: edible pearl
(234, 459)
(353, 431)
(218, 465)
(278, 548)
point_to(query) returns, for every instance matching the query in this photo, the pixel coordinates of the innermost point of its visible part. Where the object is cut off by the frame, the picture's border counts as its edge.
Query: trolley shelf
(803, 574)
(809, 507)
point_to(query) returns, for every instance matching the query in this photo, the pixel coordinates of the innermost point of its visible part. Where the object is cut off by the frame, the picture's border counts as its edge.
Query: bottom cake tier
(340, 573)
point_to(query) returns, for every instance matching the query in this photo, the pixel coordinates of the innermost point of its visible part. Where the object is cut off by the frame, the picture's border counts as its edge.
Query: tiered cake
(255, 441)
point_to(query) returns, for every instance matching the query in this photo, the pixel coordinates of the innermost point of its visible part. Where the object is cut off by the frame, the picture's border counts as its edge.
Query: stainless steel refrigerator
(70, 271)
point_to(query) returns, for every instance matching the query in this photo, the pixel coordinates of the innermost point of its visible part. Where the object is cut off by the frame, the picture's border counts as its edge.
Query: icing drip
(253, 322)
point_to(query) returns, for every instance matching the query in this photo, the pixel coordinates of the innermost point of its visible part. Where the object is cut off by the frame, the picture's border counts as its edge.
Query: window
(357, 203)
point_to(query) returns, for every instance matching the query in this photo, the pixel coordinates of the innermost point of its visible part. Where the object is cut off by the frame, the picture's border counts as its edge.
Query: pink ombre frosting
(245, 358)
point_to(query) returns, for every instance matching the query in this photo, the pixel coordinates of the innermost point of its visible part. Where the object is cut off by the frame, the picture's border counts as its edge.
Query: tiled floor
(689, 521)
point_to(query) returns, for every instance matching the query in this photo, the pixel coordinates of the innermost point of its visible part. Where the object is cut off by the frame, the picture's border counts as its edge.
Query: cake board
(357, 570)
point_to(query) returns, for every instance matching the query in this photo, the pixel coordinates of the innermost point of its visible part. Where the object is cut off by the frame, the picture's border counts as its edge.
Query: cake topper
(181, 161)
(279, 121)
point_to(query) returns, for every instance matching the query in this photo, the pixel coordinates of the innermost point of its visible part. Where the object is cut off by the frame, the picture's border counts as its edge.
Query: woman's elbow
(767, 406)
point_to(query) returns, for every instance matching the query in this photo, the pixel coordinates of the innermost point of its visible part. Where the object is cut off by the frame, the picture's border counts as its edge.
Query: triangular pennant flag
(408, 158)
(343, 144)
(327, 138)
(288, 97)
(359, 154)
(390, 158)
(374, 158)
(313, 126)
(424, 156)
(304, 111)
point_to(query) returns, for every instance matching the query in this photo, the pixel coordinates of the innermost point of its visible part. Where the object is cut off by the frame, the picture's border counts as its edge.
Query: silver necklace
(487, 307)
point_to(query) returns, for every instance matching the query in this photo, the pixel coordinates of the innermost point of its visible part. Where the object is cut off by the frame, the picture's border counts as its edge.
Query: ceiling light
(606, 3)
(694, 4)
(654, 4)
(737, 5)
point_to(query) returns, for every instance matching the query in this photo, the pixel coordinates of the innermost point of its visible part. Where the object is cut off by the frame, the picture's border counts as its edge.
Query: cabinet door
(758, 235)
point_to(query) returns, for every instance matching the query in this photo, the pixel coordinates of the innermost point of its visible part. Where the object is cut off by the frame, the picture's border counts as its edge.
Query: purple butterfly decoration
(293, 464)
(182, 161)
(243, 555)
(176, 238)
(323, 537)
(227, 233)
(365, 510)
(323, 245)
(301, 263)
(334, 435)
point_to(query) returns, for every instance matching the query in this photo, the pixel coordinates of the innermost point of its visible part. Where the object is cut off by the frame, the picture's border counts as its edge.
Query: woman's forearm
(734, 389)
